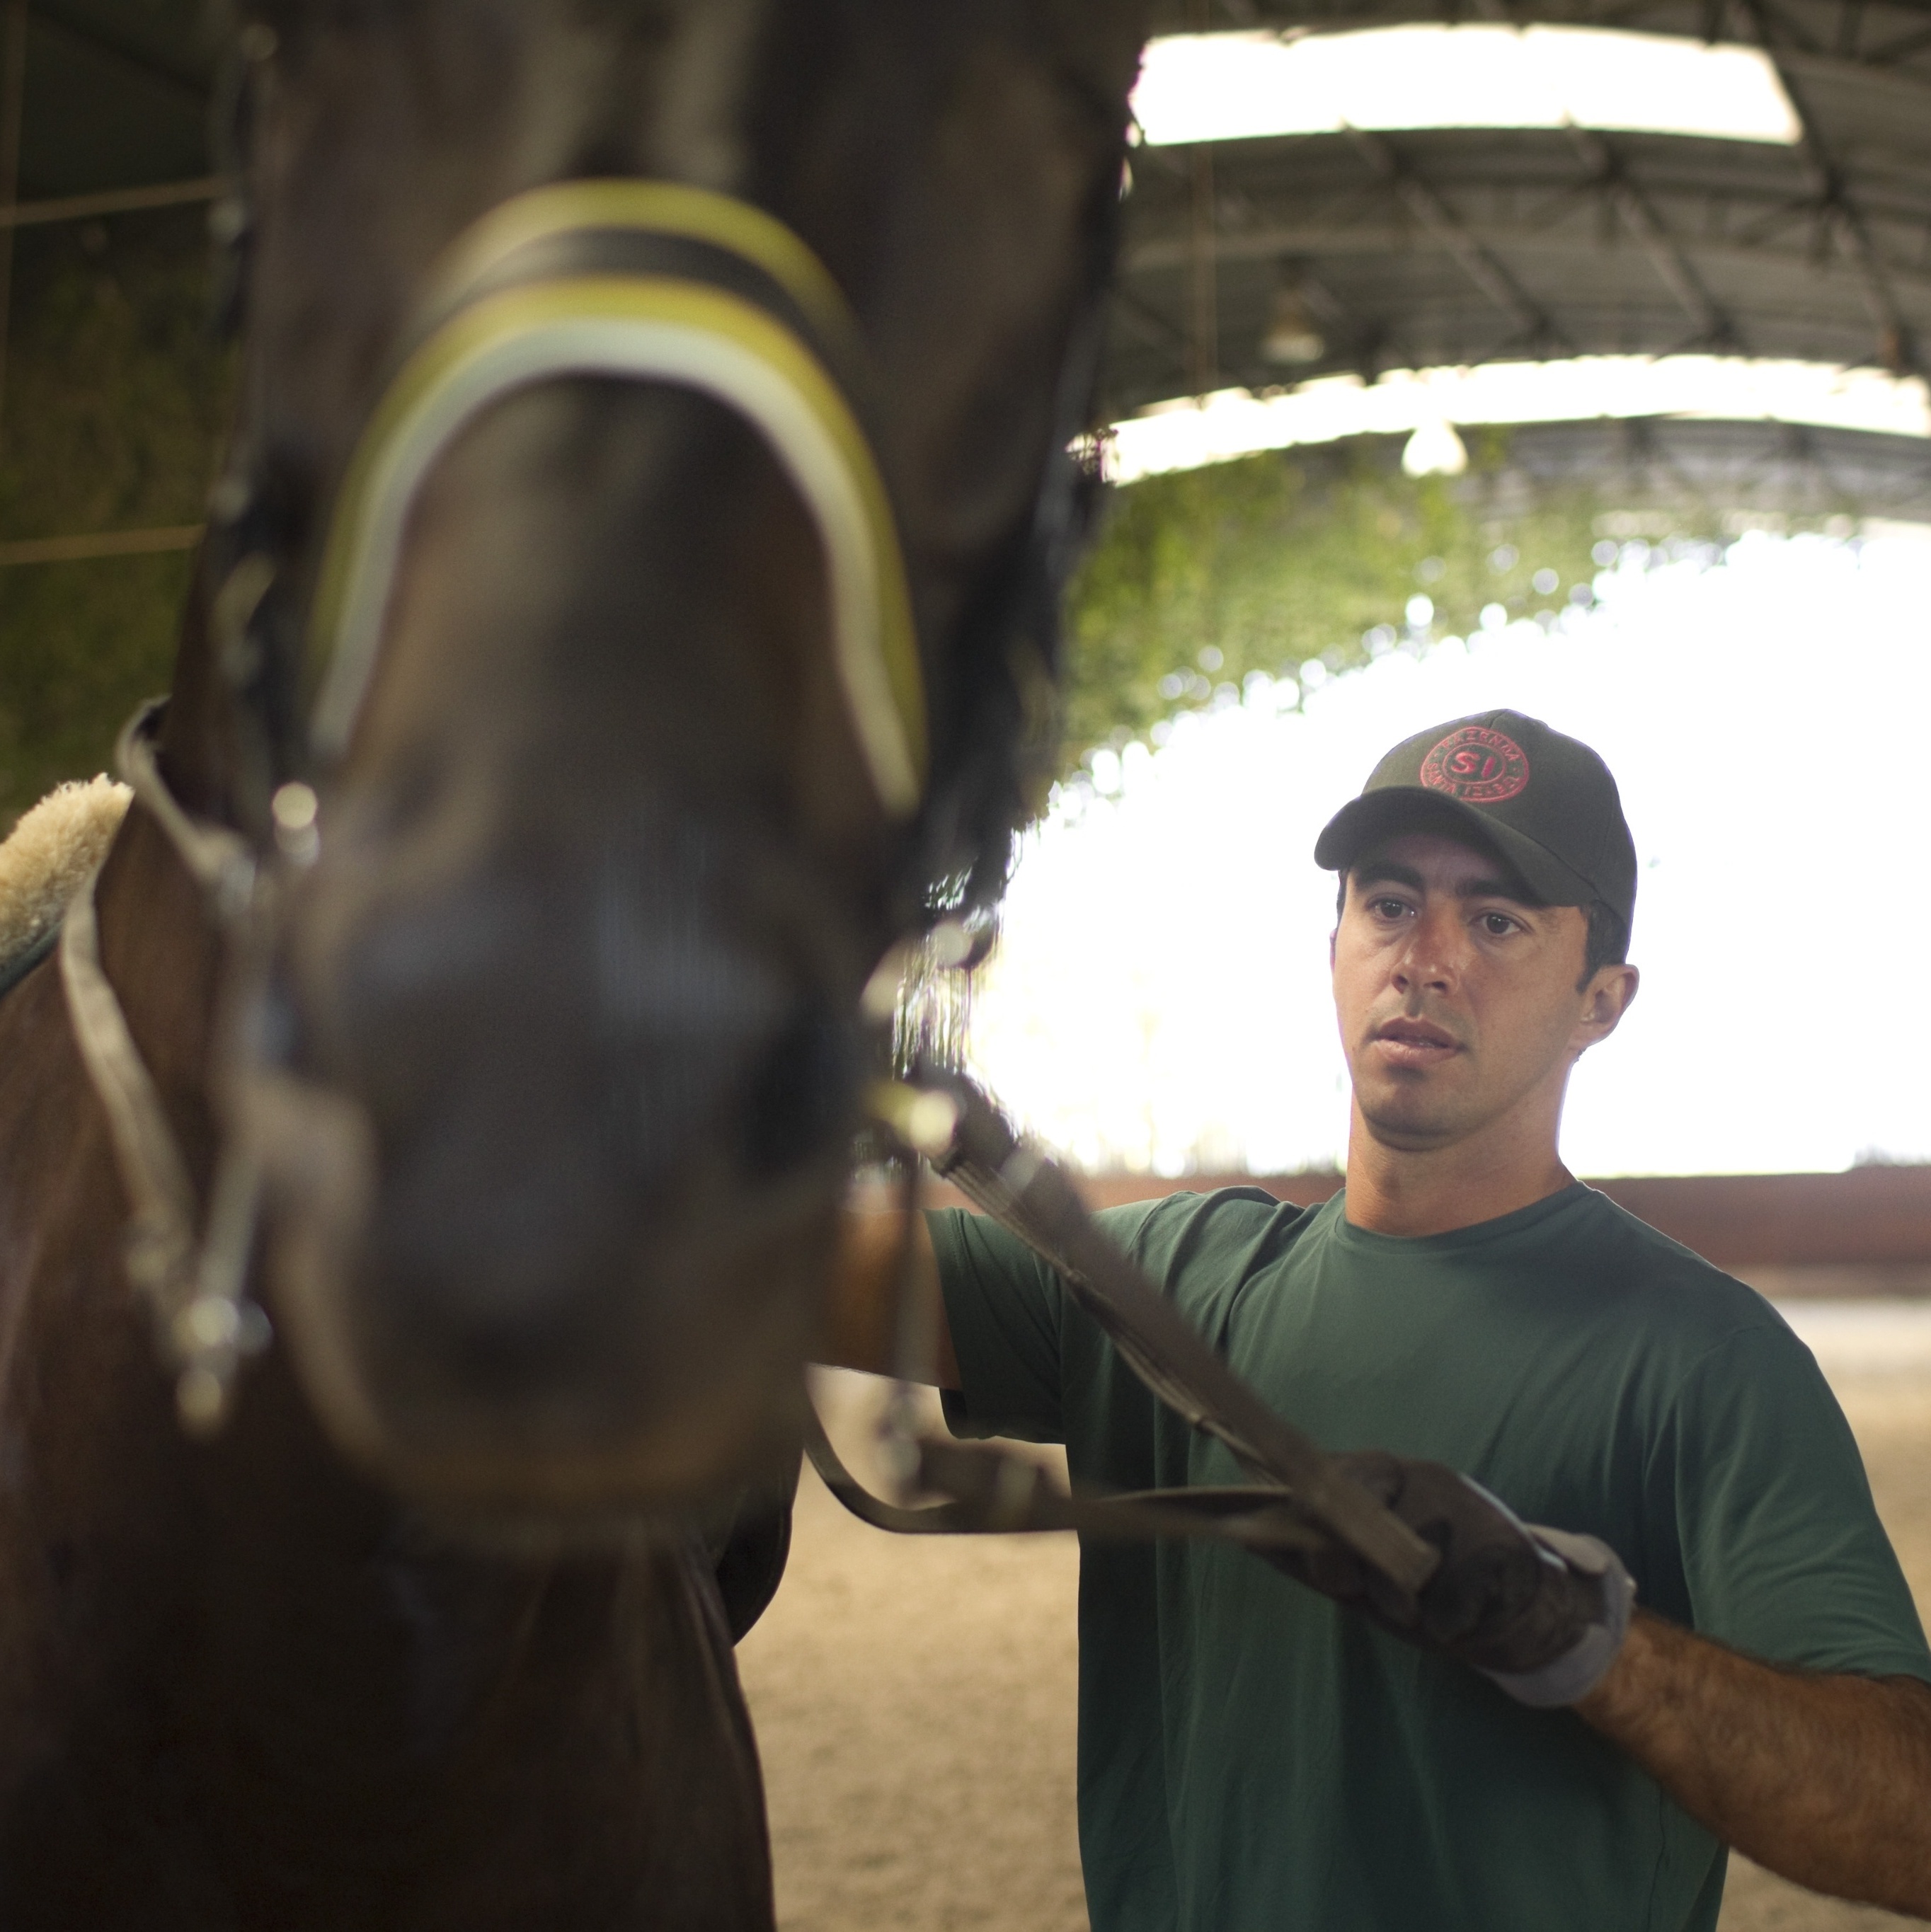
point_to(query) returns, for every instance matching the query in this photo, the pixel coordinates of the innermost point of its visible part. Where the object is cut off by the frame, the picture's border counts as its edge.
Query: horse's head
(629, 768)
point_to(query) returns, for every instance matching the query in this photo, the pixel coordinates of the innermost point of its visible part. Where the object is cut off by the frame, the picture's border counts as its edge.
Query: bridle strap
(641, 282)
(193, 1278)
(218, 859)
(161, 1193)
(567, 209)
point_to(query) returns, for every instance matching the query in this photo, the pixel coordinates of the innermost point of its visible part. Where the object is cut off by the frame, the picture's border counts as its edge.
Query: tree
(1299, 564)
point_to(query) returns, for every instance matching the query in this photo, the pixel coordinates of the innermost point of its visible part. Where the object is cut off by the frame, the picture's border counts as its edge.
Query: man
(1253, 1755)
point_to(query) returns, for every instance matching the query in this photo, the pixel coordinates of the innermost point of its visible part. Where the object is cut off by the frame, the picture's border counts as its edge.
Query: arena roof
(1764, 475)
(1256, 262)
(1263, 262)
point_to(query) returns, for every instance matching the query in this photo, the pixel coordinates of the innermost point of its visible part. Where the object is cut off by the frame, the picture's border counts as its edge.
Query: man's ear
(1605, 1000)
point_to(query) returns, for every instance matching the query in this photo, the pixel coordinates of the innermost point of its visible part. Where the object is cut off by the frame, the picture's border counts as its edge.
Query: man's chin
(1409, 1122)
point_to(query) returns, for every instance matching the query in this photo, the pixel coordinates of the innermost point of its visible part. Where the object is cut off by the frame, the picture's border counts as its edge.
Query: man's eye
(1391, 908)
(1495, 924)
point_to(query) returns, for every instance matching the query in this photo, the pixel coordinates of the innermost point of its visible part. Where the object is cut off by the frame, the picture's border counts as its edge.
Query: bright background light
(1161, 1001)
(1225, 87)
(1234, 422)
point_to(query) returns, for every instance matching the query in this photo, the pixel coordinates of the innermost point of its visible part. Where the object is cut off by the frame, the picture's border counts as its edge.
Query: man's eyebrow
(1377, 871)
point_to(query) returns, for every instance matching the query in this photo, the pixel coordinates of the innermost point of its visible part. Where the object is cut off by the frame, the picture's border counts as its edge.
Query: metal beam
(114, 201)
(93, 544)
(1672, 269)
(1765, 14)
(1153, 328)
(1897, 348)
(12, 104)
(1316, 236)
(99, 44)
(1475, 263)
(1203, 281)
(1892, 51)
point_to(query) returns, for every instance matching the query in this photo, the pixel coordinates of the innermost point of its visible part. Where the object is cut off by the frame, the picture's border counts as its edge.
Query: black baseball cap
(1545, 803)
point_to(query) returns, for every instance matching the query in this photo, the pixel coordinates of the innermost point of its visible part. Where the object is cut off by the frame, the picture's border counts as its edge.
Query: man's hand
(1541, 1613)
(1825, 1780)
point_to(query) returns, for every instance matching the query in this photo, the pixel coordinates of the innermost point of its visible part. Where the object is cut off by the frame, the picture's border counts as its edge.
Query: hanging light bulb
(1434, 450)
(1291, 334)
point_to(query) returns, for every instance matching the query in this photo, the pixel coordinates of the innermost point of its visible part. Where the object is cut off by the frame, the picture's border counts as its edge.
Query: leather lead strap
(1029, 1196)
(992, 1491)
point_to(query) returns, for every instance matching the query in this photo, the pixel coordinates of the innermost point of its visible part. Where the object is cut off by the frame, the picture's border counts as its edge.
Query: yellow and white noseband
(646, 281)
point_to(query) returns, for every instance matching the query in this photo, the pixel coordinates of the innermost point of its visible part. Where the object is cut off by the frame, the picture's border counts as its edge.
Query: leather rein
(1298, 1499)
(649, 281)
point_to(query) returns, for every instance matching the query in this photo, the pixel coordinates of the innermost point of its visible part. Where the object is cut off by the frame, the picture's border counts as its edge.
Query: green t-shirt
(1252, 1758)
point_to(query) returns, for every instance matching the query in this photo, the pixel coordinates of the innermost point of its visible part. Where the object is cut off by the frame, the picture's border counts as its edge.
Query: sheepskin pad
(47, 860)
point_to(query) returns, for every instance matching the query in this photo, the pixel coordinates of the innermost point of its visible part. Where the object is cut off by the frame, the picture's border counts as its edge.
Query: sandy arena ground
(914, 1700)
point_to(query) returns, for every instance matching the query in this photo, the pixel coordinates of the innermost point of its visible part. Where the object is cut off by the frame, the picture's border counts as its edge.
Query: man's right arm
(1824, 1779)
(881, 1258)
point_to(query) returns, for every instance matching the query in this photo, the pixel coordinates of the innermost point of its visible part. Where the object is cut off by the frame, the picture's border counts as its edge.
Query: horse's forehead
(941, 174)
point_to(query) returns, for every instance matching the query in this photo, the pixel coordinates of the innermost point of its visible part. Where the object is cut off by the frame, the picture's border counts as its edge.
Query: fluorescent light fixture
(1246, 86)
(1291, 336)
(1235, 422)
(1434, 450)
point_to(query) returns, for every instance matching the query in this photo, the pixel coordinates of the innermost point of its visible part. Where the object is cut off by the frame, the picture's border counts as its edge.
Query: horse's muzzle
(554, 1153)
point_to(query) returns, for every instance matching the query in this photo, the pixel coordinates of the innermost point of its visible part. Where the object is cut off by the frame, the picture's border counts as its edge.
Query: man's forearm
(1825, 1780)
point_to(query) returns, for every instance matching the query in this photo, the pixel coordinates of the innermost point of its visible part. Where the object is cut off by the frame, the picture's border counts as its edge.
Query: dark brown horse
(571, 983)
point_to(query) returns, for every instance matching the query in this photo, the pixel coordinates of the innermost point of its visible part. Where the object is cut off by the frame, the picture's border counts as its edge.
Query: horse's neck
(228, 1668)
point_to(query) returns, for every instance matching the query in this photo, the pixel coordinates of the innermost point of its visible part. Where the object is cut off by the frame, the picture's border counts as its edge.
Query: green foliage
(1275, 562)
(116, 395)
(81, 644)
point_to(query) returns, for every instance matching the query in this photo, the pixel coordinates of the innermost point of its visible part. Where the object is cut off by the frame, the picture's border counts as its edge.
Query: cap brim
(1365, 822)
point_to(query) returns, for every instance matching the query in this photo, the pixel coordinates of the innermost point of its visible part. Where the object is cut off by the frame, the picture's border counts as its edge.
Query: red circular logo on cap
(1477, 765)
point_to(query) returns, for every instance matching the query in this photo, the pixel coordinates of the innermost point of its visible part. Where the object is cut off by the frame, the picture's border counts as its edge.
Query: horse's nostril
(800, 1096)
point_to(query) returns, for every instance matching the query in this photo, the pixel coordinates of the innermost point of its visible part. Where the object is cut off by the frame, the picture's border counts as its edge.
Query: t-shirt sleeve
(1007, 1311)
(1783, 1555)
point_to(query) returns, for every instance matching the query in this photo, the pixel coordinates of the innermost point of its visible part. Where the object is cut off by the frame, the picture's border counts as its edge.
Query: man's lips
(1414, 1043)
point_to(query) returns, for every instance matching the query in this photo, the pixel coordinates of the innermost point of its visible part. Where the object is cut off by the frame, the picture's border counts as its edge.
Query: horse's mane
(48, 856)
(1006, 746)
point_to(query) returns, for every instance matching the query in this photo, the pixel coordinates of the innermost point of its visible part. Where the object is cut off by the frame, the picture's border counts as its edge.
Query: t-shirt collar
(1478, 1233)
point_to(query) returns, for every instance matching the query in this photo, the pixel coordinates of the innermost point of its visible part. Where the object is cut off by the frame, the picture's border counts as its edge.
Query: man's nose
(1430, 960)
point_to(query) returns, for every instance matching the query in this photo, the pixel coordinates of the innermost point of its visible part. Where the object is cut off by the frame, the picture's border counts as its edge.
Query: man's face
(1459, 1003)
